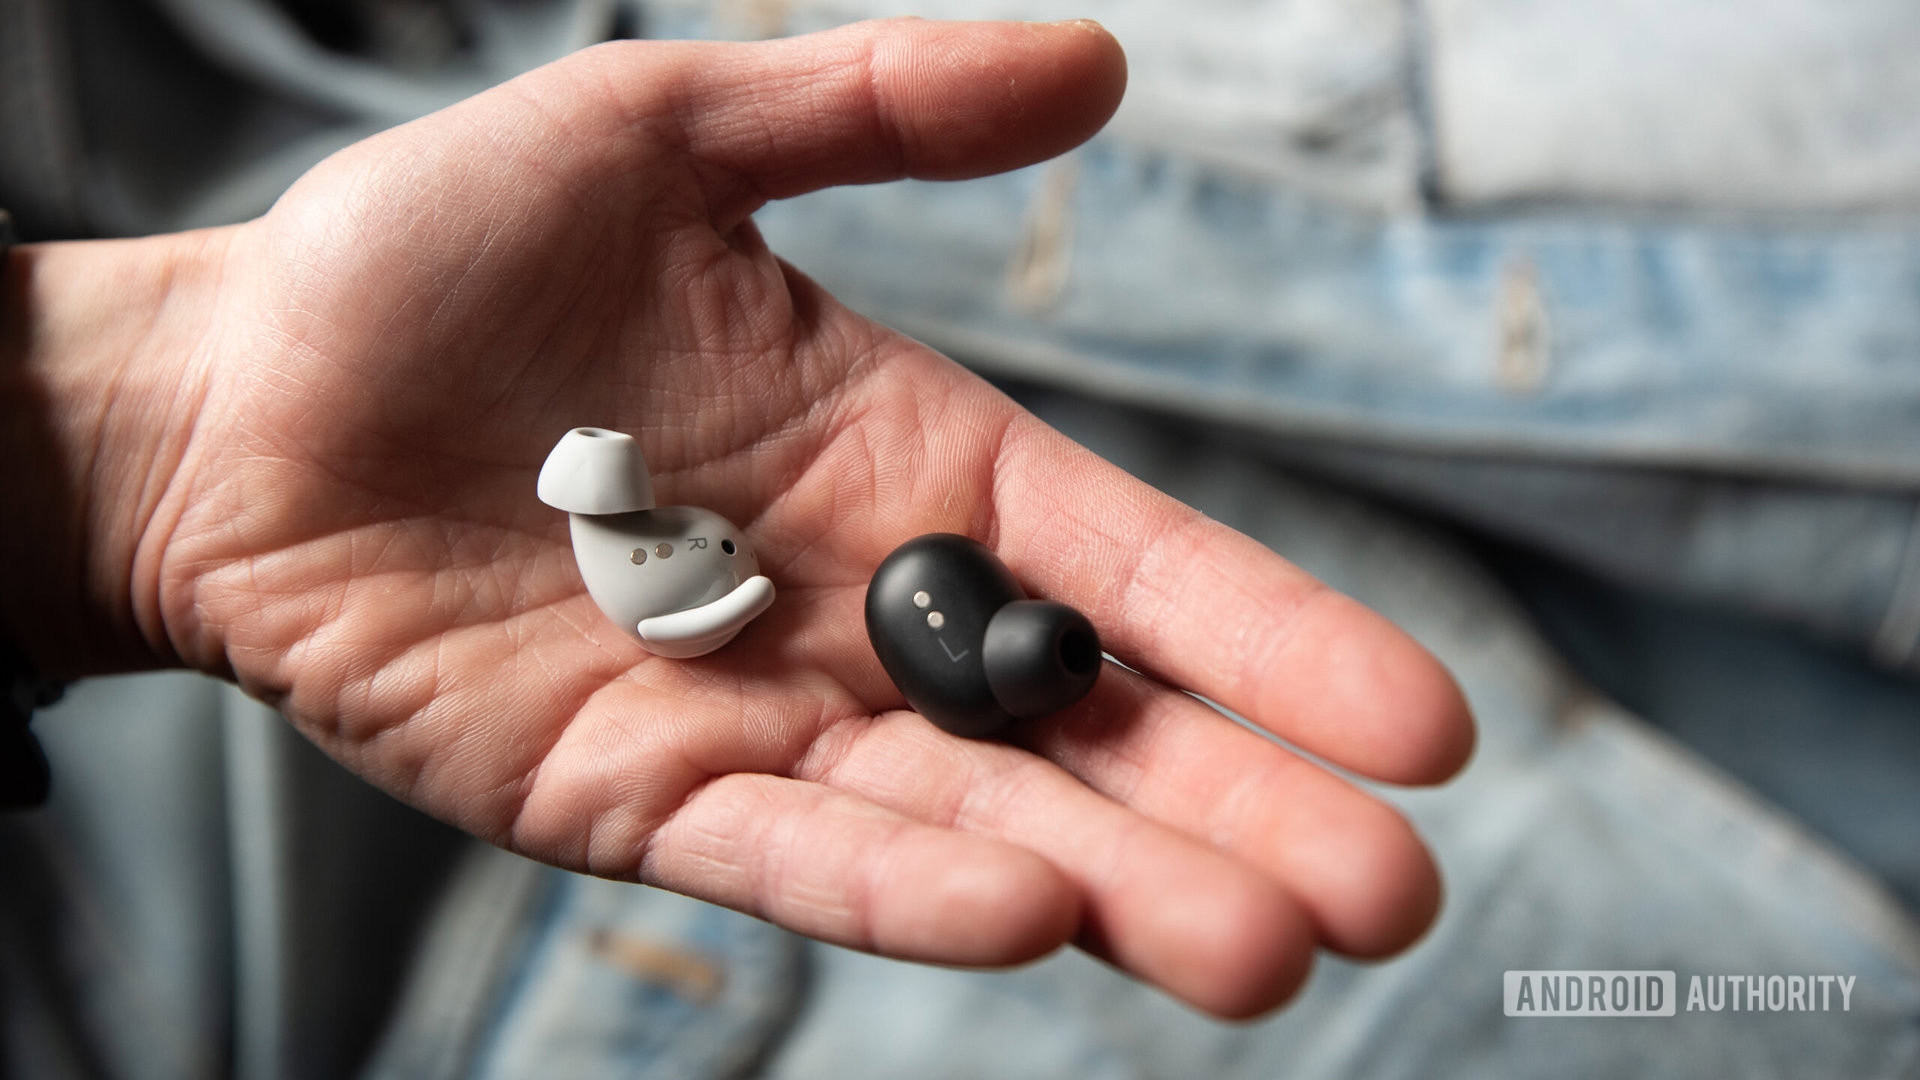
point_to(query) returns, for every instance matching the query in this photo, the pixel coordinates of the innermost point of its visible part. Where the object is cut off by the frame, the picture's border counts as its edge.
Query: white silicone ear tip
(596, 471)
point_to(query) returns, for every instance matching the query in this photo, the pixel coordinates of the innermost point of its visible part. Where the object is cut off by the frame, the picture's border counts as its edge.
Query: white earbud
(681, 579)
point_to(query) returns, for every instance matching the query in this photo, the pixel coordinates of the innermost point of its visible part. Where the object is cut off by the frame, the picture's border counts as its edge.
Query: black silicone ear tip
(1040, 657)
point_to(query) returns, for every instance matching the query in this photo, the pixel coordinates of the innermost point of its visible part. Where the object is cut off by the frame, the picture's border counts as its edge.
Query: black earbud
(964, 644)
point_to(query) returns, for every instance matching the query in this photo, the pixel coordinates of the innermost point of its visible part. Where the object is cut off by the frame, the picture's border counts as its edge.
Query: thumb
(872, 101)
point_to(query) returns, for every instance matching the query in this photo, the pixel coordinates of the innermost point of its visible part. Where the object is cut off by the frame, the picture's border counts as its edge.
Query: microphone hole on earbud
(727, 546)
(1079, 651)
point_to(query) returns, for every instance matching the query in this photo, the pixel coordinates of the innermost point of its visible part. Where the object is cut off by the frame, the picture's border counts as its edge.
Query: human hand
(327, 493)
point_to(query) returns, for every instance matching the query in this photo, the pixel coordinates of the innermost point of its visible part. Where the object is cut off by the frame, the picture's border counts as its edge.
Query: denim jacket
(1660, 317)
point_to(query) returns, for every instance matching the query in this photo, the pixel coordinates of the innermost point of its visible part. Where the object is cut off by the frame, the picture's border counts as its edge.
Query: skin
(300, 453)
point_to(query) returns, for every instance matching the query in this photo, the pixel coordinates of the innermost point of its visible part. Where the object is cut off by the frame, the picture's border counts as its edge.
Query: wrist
(102, 369)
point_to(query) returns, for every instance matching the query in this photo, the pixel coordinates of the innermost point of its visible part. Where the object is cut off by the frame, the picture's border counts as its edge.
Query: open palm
(355, 535)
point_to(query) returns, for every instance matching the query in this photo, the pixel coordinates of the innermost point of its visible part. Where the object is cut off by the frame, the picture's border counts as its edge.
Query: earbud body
(680, 579)
(965, 645)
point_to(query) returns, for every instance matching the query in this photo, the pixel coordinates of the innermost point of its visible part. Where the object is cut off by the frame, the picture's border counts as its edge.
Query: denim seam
(493, 908)
(1899, 633)
(1624, 755)
(1418, 83)
(1168, 390)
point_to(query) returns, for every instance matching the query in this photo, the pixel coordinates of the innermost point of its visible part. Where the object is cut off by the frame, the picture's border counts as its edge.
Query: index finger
(1210, 610)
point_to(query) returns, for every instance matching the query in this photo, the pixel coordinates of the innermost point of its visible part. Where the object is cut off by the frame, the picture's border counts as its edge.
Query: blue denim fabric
(204, 894)
(1842, 563)
(115, 908)
(1776, 351)
(1271, 238)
